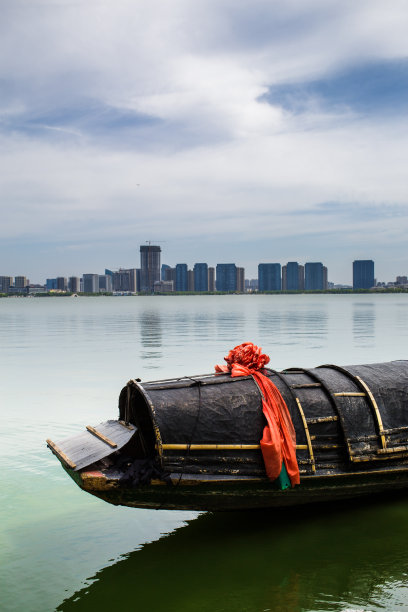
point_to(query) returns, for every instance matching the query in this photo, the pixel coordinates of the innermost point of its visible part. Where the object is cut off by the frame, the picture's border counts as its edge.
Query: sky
(245, 131)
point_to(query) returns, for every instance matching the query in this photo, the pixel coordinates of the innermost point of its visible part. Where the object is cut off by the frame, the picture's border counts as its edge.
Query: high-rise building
(120, 281)
(61, 283)
(314, 276)
(211, 279)
(125, 280)
(91, 283)
(363, 274)
(200, 277)
(269, 277)
(190, 283)
(74, 284)
(241, 280)
(293, 277)
(109, 273)
(226, 278)
(170, 275)
(132, 278)
(20, 282)
(5, 283)
(164, 267)
(301, 277)
(105, 283)
(51, 284)
(181, 277)
(149, 267)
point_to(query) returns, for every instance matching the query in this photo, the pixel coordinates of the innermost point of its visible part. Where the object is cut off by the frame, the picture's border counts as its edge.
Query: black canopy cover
(361, 410)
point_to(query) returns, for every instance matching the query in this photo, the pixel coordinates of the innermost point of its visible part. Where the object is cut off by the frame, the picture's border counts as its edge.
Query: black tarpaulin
(372, 404)
(359, 412)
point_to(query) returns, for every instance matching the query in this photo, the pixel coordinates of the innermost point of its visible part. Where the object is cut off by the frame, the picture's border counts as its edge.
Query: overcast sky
(241, 131)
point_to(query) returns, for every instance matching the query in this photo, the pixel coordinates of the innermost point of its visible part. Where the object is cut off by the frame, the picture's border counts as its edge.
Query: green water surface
(62, 365)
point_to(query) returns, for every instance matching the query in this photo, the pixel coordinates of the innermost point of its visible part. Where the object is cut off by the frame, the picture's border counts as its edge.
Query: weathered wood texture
(86, 448)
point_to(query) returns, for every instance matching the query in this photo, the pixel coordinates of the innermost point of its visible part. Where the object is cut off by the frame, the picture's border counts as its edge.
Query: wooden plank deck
(85, 448)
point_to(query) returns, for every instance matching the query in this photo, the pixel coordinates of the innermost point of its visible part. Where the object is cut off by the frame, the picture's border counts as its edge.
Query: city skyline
(251, 271)
(253, 131)
(153, 276)
(145, 253)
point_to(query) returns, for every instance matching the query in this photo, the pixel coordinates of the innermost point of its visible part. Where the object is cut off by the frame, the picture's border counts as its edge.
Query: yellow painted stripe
(376, 410)
(194, 447)
(351, 394)
(309, 442)
(396, 449)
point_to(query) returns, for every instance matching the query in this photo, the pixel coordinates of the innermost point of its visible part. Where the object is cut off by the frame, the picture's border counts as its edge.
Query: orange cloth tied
(278, 442)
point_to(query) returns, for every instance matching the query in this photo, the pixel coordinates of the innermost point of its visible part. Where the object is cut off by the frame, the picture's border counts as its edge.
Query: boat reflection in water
(352, 556)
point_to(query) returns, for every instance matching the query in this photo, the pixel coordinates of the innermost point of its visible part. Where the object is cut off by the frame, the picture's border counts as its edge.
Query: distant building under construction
(149, 267)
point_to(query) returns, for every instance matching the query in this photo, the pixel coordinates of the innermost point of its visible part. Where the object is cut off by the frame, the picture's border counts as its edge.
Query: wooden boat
(193, 442)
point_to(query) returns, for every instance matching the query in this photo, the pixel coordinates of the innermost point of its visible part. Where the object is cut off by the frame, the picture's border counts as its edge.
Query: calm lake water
(63, 362)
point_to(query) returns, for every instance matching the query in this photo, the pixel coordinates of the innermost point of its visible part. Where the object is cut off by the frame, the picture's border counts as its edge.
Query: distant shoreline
(214, 293)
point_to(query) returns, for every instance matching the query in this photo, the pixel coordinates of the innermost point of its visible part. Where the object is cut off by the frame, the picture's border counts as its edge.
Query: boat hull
(193, 443)
(226, 494)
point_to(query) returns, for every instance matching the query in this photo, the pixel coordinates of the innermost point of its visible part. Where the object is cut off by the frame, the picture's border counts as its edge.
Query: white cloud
(217, 160)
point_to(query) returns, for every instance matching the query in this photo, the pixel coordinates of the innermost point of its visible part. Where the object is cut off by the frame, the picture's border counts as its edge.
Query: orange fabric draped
(278, 442)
